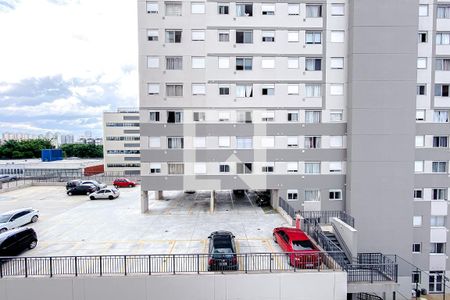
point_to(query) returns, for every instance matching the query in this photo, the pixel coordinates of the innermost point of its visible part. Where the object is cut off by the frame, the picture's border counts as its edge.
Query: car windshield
(302, 245)
(222, 253)
(4, 218)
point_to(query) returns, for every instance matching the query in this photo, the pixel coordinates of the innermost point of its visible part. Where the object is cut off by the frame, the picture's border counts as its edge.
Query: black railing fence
(324, 217)
(366, 296)
(289, 209)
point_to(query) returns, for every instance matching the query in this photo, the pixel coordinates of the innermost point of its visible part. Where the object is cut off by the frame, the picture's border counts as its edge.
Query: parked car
(108, 193)
(14, 242)
(7, 178)
(222, 252)
(124, 182)
(72, 183)
(301, 251)
(82, 189)
(99, 185)
(16, 218)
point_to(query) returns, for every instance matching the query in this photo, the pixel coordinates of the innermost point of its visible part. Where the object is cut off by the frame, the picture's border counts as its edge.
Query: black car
(222, 252)
(82, 189)
(15, 241)
(72, 183)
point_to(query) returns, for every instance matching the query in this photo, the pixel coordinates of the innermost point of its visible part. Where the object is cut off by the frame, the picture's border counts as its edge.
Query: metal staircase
(343, 259)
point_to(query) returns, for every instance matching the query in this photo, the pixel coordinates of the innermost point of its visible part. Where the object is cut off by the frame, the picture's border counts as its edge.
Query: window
(176, 168)
(336, 142)
(313, 11)
(435, 280)
(153, 35)
(292, 89)
(223, 8)
(173, 36)
(244, 90)
(439, 167)
(198, 62)
(153, 88)
(421, 89)
(175, 143)
(268, 63)
(173, 8)
(423, 10)
(224, 141)
(418, 194)
(197, 7)
(416, 248)
(244, 63)
(337, 36)
(337, 63)
(443, 12)
(292, 116)
(443, 38)
(174, 117)
(224, 168)
(292, 195)
(313, 37)
(152, 62)
(422, 37)
(244, 117)
(174, 62)
(336, 115)
(199, 168)
(292, 62)
(268, 116)
(268, 36)
(440, 141)
(244, 9)
(155, 168)
(244, 37)
(437, 247)
(154, 142)
(268, 167)
(420, 115)
(224, 90)
(335, 195)
(437, 221)
(312, 142)
(224, 36)
(335, 166)
(293, 36)
(199, 116)
(152, 7)
(267, 142)
(244, 168)
(292, 167)
(224, 62)
(199, 142)
(198, 35)
(313, 64)
(442, 64)
(313, 90)
(337, 9)
(293, 9)
(417, 221)
(224, 116)
(174, 90)
(292, 141)
(268, 9)
(439, 194)
(420, 141)
(440, 116)
(421, 63)
(198, 89)
(312, 195)
(154, 116)
(418, 166)
(312, 116)
(336, 89)
(312, 168)
(268, 90)
(244, 142)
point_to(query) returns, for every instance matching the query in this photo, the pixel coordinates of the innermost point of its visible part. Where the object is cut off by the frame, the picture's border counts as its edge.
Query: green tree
(24, 149)
(82, 150)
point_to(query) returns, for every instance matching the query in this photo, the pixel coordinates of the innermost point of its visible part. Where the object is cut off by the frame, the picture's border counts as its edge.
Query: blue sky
(64, 62)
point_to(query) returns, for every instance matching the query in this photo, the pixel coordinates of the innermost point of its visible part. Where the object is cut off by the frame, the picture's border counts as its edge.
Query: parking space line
(246, 195)
(232, 200)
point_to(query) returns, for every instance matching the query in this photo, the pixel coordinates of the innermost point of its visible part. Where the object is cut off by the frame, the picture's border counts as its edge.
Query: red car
(301, 251)
(124, 182)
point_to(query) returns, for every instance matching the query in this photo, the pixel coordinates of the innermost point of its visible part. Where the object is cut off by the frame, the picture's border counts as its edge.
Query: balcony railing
(324, 217)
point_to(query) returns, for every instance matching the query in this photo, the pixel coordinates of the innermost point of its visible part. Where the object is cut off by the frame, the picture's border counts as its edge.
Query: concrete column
(159, 195)
(212, 201)
(144, 201)
(274, 198)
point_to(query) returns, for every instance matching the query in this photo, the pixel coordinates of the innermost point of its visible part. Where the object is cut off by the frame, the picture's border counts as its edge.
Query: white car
(107, 193)
(16, 218)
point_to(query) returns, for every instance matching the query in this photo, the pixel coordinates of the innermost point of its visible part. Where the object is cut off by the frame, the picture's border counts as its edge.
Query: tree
(24, 149)
(82, 150)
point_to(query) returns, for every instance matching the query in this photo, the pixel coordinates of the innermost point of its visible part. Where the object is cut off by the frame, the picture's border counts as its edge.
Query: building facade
(121, 147)
(320, 101)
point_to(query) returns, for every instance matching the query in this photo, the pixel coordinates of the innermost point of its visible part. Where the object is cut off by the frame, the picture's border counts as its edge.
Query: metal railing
(366, 296)
(291, 211)
(324, 217)
(343, 245)
(110, 265)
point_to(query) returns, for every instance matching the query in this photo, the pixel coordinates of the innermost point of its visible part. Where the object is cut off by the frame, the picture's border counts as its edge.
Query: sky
(64, 62)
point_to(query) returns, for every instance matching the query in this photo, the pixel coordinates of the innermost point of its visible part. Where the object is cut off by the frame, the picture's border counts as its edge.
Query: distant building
(66, 139)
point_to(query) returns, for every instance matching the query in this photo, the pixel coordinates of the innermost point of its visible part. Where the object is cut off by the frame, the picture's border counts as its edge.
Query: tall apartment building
(314, 100)
(121, 146)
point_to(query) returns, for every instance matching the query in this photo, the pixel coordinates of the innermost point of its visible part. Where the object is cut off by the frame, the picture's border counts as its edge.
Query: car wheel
(275, 238)
(130, 185)
(34, 219)
(110, 197)
(33, 244)
(3, 230)
(87, 193)
(92, 198)
(116, 186)
(69, 193)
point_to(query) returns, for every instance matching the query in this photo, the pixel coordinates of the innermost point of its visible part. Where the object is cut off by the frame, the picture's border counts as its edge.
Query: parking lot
(180, 223)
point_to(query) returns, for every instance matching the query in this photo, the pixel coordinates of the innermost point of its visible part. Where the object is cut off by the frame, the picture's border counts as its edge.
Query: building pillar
(212, 201)
(144, 201)
(159, 195)
(274, 198)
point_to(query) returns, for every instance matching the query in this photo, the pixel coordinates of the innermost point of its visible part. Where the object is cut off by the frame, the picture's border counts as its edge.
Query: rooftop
(58, 164)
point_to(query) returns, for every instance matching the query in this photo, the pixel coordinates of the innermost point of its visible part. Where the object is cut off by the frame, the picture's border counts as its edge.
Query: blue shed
(51, 154)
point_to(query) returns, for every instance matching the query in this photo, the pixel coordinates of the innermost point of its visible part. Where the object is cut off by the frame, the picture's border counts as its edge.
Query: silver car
(107, 193)
(16, 218)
